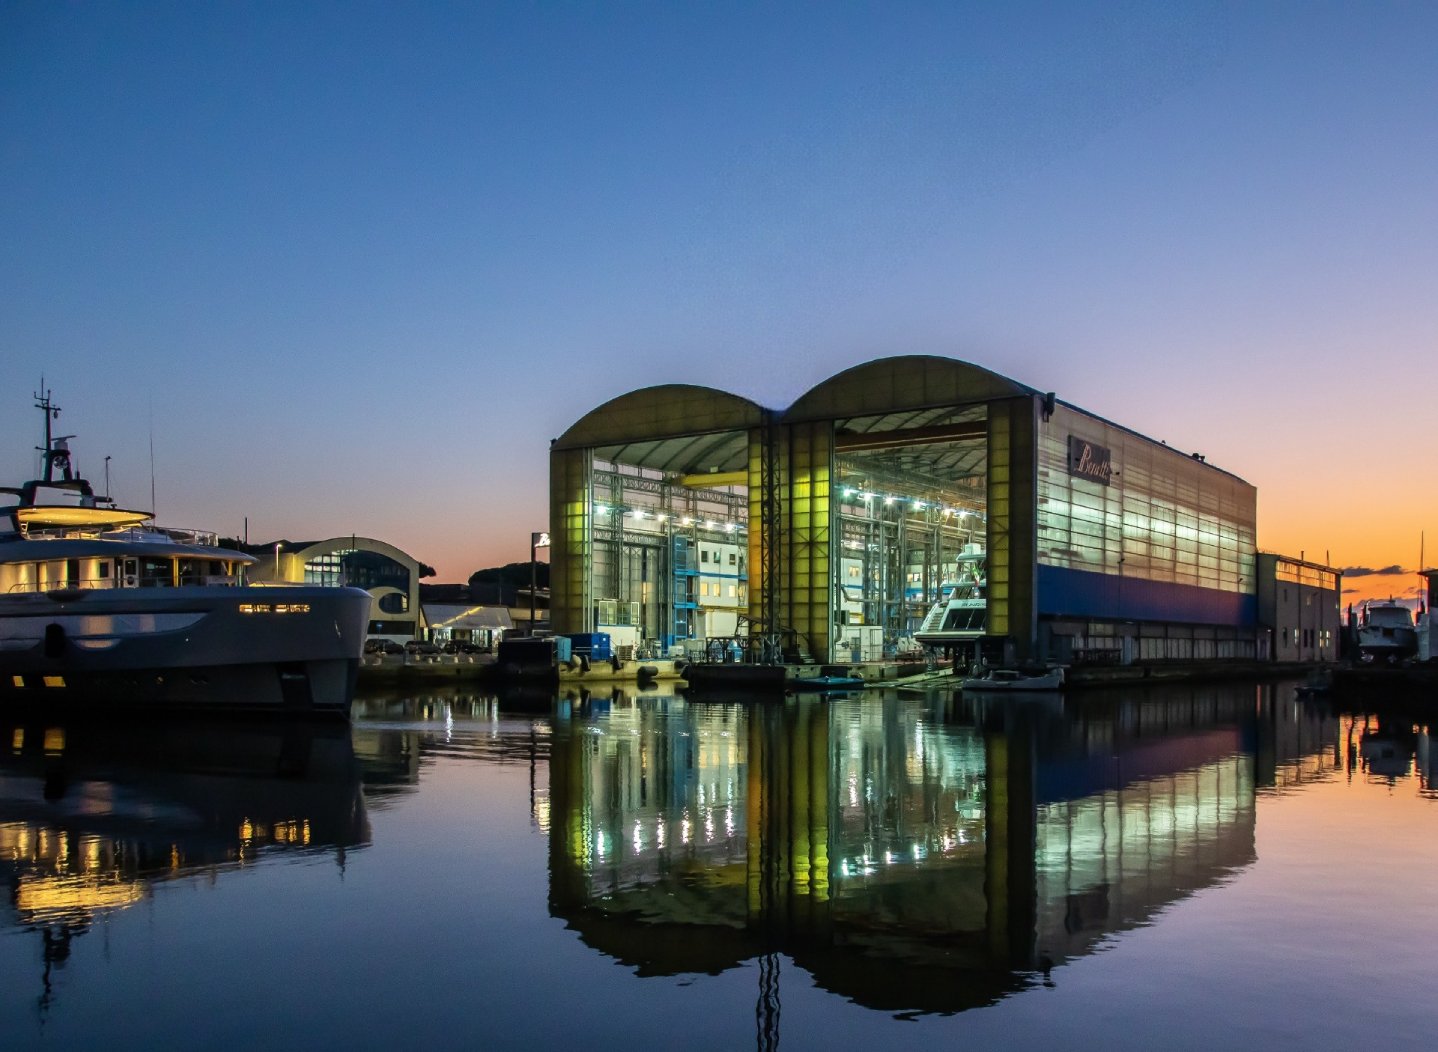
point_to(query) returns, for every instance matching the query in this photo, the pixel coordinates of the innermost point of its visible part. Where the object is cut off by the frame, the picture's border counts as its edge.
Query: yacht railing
(106, 584)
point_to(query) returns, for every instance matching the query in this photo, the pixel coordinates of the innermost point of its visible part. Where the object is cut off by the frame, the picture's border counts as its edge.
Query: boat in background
(1015, 679)
(101, 607)
(1385, 632)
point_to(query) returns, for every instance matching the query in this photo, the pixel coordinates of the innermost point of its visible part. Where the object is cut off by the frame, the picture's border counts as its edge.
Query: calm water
(1202, 867)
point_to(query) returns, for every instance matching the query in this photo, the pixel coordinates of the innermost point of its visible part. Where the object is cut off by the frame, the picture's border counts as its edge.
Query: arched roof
(665, 411)
(310, 549)
(671, 427)
(902, 385)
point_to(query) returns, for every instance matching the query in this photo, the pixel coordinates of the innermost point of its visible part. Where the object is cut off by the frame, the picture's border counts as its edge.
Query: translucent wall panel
(1163, 516)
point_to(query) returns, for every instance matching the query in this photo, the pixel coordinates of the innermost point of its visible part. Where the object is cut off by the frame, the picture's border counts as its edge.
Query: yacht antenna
(56, 451)
(152, 454)
(107, 478)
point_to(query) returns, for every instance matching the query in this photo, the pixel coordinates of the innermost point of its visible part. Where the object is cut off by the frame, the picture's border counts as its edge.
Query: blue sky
(353, 265)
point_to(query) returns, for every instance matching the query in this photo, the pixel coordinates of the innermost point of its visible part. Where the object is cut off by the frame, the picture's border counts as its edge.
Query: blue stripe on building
(1082, 593)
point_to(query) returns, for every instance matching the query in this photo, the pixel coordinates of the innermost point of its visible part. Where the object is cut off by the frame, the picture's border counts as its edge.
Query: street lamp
(536, 541)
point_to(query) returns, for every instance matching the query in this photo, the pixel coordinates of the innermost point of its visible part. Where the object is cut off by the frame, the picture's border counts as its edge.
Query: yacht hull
(278, 650)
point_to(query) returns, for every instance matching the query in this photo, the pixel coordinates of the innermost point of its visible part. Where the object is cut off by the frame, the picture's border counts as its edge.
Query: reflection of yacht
(1385, 632)
(958, 616)
(98, 603)
(95, 817)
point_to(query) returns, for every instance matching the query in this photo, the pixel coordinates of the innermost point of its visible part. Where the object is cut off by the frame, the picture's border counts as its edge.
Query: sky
(348, 268)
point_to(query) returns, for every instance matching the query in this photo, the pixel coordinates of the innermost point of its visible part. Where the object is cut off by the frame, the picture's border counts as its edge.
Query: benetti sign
(1089, 461)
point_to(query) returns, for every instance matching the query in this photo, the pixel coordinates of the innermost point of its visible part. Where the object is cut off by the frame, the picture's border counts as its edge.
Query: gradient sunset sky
(354, 265)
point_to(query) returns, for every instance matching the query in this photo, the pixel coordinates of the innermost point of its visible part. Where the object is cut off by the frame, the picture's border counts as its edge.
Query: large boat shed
(688, 518)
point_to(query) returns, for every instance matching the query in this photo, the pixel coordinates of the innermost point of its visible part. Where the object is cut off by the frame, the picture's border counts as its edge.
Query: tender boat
(1015, 679)
(1385, 632)
(101, 607)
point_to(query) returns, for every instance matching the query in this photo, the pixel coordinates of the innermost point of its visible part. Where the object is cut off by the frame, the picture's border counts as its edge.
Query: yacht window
(156, 573)
(72, 573)
(102, 569)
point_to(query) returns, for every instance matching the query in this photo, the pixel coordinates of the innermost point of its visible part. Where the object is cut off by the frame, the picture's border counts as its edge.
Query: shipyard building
(910, 502)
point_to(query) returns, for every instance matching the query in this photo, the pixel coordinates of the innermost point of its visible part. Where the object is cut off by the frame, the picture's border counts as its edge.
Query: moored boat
(100, 606)
(1385, 632)
(1015, 679)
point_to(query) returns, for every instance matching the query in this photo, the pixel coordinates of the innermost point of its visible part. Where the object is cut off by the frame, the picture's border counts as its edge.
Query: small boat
(1015, 679)
(102, 608)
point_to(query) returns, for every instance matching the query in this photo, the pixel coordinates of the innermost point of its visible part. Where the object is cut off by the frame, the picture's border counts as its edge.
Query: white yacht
(101, 607)
(1385, 632)
(959, 615)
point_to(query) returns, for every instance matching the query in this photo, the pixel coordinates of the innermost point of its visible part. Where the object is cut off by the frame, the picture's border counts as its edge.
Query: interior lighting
(888, 500)
(661, 518)
(848, 491)
(686, 521)
(919, 505)
(601, 509)
(729, 527)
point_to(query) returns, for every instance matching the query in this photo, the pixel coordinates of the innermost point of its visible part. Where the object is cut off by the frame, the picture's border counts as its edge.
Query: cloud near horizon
(1368, 571)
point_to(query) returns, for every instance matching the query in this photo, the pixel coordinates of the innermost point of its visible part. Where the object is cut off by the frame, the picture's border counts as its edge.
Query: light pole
(536, 541)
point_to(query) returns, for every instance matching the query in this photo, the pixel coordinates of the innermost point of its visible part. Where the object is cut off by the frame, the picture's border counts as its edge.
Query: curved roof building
(908, 501)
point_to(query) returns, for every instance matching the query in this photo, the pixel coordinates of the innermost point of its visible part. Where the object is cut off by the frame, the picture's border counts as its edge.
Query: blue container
(593, 645)
(564, 644)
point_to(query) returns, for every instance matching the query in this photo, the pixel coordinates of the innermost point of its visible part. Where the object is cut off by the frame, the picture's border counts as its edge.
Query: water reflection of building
(912, 855)
(93, 818)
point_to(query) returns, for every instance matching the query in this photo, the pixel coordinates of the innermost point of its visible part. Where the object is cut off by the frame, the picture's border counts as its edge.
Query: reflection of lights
(659, 830)
(684, 830)
(599, 844)
(708, 825)
(638, 838)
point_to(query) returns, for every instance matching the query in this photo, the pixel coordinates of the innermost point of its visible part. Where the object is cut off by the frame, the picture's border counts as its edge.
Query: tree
(512, 575)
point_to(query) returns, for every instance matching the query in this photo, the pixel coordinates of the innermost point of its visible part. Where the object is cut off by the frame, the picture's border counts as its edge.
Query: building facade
(390, 575)
(912, 501)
